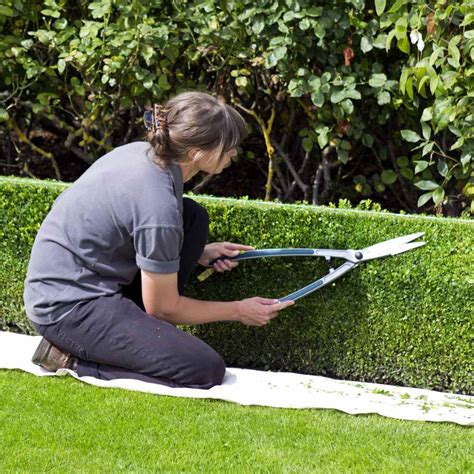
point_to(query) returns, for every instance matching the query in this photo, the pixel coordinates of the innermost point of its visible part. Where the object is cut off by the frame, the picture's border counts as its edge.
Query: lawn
(60, 424)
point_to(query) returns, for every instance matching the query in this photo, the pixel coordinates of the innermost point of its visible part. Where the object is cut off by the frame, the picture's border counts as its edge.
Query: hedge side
(406, 320)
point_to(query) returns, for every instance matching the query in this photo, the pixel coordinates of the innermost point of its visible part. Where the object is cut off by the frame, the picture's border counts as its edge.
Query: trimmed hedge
(406, 320)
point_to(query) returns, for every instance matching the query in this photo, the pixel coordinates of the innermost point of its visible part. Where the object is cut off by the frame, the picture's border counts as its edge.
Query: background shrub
(351, 99)
(404, 320)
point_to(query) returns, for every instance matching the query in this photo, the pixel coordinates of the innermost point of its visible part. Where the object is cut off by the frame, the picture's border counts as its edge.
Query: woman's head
(195, 127)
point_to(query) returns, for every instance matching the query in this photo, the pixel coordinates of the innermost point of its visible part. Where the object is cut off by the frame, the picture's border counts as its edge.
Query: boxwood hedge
(406, 320)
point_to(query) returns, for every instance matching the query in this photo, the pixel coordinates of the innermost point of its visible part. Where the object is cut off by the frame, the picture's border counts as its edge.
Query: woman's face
(210, 163)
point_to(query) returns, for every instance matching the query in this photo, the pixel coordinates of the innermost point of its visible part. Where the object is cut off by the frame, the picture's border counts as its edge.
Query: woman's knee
(211, 371)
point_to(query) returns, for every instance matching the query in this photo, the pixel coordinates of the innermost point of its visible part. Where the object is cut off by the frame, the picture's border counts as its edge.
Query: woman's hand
(221, 249)
(259, 311)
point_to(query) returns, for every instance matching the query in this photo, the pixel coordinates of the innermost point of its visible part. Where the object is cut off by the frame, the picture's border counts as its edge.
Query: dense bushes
(405, 320)
(354, 99)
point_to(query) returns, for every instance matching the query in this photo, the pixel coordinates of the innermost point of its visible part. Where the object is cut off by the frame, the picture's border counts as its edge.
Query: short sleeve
(158, 248)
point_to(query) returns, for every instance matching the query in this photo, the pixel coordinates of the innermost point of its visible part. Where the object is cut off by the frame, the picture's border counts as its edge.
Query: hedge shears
(352, 258)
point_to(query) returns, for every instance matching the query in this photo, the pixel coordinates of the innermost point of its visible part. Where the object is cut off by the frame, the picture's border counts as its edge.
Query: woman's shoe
(51, 358)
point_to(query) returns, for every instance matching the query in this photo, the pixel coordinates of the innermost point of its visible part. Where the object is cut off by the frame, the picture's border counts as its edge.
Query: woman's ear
(193, 154)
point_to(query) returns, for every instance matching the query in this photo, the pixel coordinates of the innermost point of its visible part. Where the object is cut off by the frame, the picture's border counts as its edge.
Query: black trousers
(113, 337)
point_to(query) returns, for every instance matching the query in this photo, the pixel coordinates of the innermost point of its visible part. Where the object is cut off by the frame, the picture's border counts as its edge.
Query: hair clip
(148, 119)
(154, 119)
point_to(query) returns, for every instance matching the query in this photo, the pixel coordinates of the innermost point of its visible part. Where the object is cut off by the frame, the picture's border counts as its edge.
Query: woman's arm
(162, 300)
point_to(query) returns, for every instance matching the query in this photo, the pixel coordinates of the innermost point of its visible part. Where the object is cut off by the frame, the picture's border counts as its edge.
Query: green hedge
(404, 320)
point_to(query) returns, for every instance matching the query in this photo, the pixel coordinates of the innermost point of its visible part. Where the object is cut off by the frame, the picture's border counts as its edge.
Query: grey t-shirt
(122, 214)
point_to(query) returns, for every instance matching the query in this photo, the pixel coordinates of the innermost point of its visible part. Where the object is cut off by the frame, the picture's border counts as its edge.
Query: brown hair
(193, 120)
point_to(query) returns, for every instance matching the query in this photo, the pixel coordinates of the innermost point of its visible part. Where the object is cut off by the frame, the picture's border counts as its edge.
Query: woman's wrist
(238, 313)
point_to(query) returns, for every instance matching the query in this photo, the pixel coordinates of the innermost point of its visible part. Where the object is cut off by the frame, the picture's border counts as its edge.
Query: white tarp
(277, 389)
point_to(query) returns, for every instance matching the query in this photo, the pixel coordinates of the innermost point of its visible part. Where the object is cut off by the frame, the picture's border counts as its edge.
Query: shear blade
(392, 246)
(406, 247)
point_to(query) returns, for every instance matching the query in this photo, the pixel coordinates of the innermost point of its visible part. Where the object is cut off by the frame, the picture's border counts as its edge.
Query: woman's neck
(189, 170)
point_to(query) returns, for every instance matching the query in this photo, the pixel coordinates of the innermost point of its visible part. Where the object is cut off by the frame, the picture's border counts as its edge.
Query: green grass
(63, 425)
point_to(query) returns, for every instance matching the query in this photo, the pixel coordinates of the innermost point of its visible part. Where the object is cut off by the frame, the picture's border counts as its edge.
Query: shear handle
(316, 285)
(252, 254)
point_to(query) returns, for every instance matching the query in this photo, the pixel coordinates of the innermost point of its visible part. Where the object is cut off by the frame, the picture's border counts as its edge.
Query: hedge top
(250, 202)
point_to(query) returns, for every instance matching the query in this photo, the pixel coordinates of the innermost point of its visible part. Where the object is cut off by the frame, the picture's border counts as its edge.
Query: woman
(109, 264)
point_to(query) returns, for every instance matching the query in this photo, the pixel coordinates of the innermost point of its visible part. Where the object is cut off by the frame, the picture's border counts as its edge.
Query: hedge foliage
(354, 98)
(404, 320)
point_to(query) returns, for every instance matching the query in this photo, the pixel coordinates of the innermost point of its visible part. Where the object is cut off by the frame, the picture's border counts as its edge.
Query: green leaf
(380, 41)
(403, 80)
(397, 5)
(315, 83)
(61, 65)
(342, 155)
(424, 198)
(367, 140)
(307, 144)
(442, 168)
(407, 173)
(402, 161)
(348, 106)
(438, 195)
(426, 185)
(404, 45)
(458, 143)
(3, 115)
(7, 11)
(323, 138)
(258, 25)
(315, 11)
(427, 148)
(410, 136)
(53, 13)
(383, 98)
(270, 60)
(454, 52)
(426, 131)
(409, 87)
(465, 158)
(380, 6)
(390, 37)
(377, 80)
(43, 36)
(283, 28)
(163, 83)
(366, 44)
(100, 9)
(317, 99)
(388, 176)
(338, 96)
(421, 165)
(434, 82)
(60, 24)
(468, 19)
(304, 24)
(345, 145)
(295, 87)
(426, 115)
(280, 52)
(241, 81)
(353, 94)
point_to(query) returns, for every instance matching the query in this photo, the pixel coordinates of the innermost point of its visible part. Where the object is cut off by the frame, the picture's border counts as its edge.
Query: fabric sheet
(277, 389)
